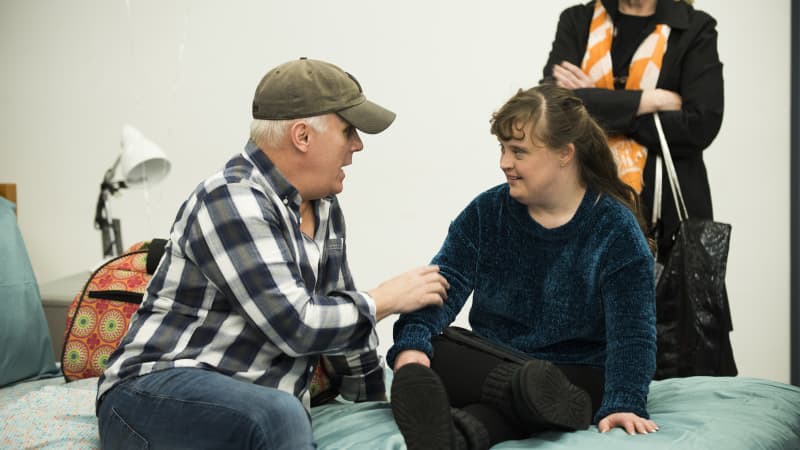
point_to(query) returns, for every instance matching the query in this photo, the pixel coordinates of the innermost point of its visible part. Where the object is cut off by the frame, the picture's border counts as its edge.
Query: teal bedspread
(693, 413)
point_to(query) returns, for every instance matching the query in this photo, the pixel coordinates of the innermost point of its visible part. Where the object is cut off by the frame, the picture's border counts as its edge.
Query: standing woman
(563, 298)
(627, 59)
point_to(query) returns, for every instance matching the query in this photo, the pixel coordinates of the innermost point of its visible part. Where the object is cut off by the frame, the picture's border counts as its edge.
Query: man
(254, 285)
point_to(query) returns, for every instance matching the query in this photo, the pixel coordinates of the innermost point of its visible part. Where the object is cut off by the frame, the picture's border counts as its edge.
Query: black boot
(422, 411)
(470, 431)
(537, 395)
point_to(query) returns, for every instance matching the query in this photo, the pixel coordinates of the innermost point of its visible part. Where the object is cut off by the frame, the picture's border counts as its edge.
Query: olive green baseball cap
(308, 87)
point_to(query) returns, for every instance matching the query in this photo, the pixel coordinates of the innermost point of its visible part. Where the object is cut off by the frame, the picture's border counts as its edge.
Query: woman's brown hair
(560, 118)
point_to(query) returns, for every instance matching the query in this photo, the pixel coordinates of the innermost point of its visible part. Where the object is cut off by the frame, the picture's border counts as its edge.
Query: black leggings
(463, 367)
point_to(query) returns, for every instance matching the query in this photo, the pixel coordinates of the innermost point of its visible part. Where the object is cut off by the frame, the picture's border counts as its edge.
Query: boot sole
(550, 398)
(421, 408)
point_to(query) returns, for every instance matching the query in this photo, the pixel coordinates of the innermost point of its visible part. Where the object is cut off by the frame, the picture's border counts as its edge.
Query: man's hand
(411, 356)
(632, 423)
(410, 291)
(570, 76)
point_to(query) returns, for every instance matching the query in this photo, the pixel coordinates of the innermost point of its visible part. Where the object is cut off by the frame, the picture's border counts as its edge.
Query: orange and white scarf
(642, 74)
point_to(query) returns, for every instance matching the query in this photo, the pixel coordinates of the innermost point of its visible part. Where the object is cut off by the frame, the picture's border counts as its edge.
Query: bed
(693, 413)
(738, 413)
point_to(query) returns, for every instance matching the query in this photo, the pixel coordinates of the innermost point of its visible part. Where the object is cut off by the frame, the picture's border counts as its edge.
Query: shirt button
(286, 201)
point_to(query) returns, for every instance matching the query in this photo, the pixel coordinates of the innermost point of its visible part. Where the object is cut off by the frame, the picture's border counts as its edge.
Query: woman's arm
(614, 110)
(697, 78)
(456, 261)
(627, 290)
(690, 89)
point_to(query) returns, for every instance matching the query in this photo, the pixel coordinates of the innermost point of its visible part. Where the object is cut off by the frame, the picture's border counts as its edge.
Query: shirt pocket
(331, 263)
(334, 248)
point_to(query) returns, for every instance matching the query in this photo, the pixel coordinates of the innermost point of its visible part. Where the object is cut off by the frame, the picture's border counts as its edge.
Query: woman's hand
(411, 356)
(570, 76)
(632, 423)
(659, 100)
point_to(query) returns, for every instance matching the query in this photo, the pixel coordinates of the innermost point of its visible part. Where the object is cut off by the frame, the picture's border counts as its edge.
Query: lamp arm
(109, 227)
(110, 172)
(101, 213)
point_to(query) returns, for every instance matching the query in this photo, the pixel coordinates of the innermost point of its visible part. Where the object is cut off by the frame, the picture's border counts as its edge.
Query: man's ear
(299, 134)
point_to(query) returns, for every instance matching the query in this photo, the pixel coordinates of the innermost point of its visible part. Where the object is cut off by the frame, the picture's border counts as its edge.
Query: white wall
(184, 72)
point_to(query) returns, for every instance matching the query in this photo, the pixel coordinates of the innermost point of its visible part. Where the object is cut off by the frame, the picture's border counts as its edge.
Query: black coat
(691, 68)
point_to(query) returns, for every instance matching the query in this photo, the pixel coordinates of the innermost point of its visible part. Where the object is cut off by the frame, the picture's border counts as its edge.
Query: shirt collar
(287, 193)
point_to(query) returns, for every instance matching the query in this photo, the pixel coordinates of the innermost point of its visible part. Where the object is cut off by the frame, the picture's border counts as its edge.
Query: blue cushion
(25, 351)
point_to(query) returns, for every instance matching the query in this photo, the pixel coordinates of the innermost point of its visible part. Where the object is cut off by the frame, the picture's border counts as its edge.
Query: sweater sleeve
(457, 261)
(628, 295)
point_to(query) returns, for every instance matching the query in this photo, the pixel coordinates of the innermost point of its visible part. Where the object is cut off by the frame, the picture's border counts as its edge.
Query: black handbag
(693, 319)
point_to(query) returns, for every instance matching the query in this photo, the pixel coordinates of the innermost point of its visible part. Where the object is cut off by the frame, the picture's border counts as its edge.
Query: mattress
(693, 413)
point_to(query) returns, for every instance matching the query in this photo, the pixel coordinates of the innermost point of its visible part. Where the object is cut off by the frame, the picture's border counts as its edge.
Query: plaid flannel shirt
(235, 292)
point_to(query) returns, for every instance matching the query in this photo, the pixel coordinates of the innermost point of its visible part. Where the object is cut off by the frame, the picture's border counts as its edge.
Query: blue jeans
(198, 409)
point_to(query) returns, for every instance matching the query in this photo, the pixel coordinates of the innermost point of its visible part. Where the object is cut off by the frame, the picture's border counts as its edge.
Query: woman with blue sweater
(563, 296)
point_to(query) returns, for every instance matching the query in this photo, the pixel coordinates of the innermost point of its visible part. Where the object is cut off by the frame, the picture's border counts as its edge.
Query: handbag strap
(672, 175)
(657, 192)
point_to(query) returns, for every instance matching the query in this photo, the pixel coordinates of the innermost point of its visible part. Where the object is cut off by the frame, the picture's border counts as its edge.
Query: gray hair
(270, 133)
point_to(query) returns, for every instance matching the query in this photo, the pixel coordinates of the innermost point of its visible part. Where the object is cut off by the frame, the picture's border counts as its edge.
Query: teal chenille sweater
(580, 293)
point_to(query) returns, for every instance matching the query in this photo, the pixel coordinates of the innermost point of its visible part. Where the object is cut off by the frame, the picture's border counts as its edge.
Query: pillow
(25, 350)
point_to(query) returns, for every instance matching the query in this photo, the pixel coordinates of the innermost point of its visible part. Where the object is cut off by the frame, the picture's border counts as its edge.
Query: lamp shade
(141, 160)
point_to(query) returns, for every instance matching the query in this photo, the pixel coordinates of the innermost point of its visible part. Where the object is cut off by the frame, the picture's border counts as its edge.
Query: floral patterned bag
(100, 314)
